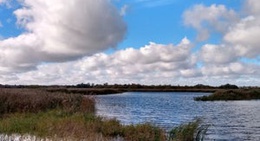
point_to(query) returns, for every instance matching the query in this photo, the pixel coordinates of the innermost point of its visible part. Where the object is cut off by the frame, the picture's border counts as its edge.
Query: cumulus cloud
(205, 19)
(61, 37)
(218, 54)
(240, 33)
(235, 69)
(156, 52)
(153, 63)
(60, 30)
(240, 41)
(252, 6)
(18, 54)
(244, 36)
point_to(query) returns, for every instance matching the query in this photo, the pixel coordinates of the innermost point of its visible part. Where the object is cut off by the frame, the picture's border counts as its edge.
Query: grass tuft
(143, 132)
(192, 131)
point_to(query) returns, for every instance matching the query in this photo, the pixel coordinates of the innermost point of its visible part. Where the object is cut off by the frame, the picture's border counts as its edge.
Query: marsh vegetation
(62, 116)
(228, 95)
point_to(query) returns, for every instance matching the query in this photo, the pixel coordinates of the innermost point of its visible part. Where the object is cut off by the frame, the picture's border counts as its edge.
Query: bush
(228, 86)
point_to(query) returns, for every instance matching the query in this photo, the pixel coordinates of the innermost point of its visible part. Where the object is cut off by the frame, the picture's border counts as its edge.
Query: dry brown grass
(35, 100)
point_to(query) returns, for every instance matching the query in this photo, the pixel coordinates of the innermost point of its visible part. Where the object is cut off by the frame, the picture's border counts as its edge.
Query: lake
(232, 120)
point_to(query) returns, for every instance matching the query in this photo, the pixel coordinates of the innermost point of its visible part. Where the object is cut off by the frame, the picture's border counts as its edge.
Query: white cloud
(190, 73)
(60, 30)
(240, 41)
(155, 52)
(124, 10)
(18, 53)
(252, 6)
(58, 33)
(244, 36)
(2, 1)
(236, 69)
(240, 36)
(205, 19)
(151, 64)
(218, 54)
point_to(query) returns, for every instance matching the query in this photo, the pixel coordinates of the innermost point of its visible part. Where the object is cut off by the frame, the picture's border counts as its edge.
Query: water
(233, 120)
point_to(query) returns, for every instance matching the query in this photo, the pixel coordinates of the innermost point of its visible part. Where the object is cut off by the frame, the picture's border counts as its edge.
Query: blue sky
(161, 21)
(130, 41)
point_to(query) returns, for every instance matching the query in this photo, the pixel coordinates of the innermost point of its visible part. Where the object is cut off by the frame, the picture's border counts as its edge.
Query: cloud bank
(147, 64)
(57, 35)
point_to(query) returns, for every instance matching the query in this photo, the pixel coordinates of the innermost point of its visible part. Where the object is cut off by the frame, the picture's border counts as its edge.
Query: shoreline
(107, 91)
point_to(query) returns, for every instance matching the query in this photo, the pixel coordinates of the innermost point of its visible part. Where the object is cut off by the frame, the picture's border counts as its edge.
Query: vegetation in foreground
(188, 132)
(58, 116)
(226, 95)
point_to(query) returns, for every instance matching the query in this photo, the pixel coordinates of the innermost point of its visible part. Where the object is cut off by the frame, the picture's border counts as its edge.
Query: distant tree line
(139, 86)
(127, 86)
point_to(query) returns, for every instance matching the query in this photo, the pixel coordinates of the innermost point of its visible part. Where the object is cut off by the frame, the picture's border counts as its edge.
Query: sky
(151, 42)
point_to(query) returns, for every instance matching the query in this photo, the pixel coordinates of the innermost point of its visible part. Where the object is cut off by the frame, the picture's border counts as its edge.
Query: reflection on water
(236, 120)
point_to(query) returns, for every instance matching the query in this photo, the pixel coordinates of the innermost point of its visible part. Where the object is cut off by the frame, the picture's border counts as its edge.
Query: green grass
(227, 95)
(57, 123)
(192, 131)
(59, 116)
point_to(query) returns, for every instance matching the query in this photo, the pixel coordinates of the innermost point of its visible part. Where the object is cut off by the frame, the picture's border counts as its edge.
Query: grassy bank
(192, 131)
(226, 95)
(60, 116)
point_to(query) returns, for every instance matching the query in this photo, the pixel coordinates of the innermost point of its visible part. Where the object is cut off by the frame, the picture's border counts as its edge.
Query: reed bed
(229, 95)
(37, 114)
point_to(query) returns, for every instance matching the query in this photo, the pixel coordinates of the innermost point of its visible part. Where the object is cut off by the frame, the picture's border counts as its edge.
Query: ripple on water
(237, 120)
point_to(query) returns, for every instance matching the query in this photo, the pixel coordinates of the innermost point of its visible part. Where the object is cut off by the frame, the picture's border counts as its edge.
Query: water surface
(233, 120)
